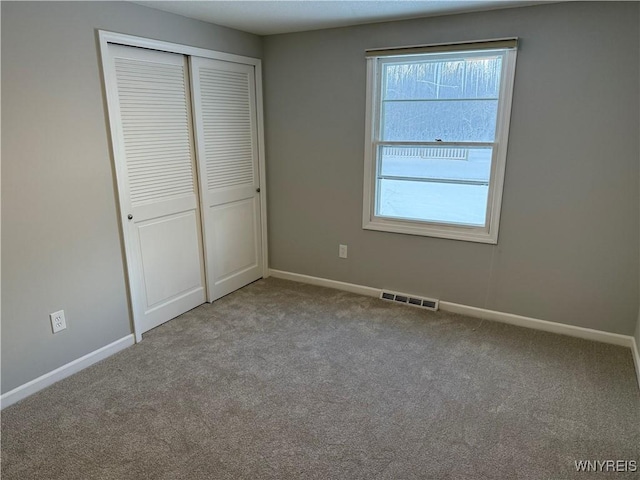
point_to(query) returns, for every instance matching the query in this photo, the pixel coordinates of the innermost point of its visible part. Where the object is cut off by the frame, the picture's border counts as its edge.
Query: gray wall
(637, 332)
(61, 244)
(568, 245)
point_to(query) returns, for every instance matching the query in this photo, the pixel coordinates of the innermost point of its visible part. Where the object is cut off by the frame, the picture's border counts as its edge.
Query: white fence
(449, 153)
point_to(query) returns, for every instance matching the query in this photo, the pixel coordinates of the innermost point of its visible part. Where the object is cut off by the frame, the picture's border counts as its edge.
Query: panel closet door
(224, 106)
(150, 115)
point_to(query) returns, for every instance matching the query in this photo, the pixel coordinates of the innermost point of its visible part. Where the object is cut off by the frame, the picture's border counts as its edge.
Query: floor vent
(422, 302)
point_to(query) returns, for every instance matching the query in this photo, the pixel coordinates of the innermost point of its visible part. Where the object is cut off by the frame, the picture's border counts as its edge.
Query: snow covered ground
(434, 201)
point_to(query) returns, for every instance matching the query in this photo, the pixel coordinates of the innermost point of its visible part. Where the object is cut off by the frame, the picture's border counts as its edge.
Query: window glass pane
(454, 99)
(433, 202)
(412, 80)
(450, 163)
(434, 184)
(455, 78)
(482, 78)
(449, 121)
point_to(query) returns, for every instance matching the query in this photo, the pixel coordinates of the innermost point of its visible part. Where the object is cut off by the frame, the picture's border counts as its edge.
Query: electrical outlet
(342, 251)
(58, 321)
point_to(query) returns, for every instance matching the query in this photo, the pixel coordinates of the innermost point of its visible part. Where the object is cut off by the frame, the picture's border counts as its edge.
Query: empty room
(320, 240)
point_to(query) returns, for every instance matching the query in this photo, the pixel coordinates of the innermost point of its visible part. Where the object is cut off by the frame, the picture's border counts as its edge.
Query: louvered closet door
(224, 104)
(157, 182)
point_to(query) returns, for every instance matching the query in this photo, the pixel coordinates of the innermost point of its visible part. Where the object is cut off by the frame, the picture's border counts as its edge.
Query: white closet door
(224, 105)
(150, 115)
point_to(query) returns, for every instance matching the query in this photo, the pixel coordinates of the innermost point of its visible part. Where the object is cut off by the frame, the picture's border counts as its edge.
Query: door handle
(258, 189)
(130, 217)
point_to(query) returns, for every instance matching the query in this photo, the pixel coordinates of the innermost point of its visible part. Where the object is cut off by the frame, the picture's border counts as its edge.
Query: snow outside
(448, 99)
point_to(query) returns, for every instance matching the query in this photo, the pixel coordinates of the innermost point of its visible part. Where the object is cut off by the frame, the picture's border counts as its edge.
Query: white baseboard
(324, 282)
(534, 323)
(518, 320)
(29, 388)
(636, 357)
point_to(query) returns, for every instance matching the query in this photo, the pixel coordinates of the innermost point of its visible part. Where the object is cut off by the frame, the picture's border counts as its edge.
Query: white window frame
(486, 234)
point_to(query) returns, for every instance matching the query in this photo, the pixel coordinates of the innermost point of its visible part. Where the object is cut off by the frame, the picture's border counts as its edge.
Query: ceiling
(269, 17)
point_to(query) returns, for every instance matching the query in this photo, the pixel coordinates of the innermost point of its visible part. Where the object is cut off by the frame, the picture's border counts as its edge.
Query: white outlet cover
(58, 322)
(342, 251)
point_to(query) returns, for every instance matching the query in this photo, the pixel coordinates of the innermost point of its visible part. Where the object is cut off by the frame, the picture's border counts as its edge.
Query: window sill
(477, 235)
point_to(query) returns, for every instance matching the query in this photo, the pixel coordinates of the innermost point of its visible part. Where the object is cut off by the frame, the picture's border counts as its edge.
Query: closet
(186, 132)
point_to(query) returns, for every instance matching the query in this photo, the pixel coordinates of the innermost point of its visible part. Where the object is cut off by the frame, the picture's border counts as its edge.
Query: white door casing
(152, 136)
(227, 142)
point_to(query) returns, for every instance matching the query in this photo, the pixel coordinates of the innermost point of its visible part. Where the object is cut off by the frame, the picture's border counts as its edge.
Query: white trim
(499, 162)
(262, 168)
(469, 234)
(29, 388)
(133, 41)
(518, 320)
(370, 132)
(536, 324)
(324, 282)
(636, 357)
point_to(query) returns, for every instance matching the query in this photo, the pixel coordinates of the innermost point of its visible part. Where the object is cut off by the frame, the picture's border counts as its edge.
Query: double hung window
(437, 128)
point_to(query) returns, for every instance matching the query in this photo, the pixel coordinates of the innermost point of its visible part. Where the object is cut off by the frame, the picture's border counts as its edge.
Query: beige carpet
(287, 381)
